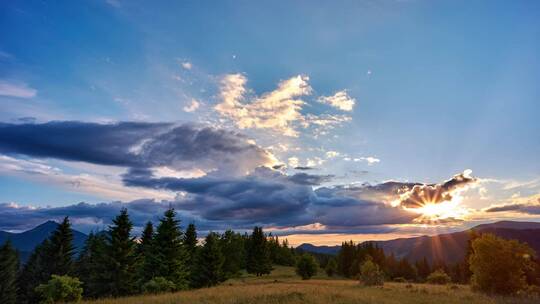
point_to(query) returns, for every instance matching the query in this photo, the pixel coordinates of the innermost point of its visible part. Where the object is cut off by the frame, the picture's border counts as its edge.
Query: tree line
(114, 263)
(492, 265)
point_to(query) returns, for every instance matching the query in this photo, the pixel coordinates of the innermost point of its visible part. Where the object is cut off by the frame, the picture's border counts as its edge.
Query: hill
(26, 241)
(450, 247)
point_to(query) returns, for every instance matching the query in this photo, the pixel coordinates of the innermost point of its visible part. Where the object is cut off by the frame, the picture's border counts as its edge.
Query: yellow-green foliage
(60, 289)
(498, 265)
(438, 277)
(283, 286)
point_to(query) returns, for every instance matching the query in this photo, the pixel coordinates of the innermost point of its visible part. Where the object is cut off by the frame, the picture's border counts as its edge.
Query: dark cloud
(530, 208)
(135, 144)
(436, 193)
(310, 179)
(302, 168)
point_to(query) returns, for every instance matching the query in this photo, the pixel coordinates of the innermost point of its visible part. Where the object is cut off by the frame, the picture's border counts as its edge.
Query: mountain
(26, 241)
(450, 247)
(333, 250)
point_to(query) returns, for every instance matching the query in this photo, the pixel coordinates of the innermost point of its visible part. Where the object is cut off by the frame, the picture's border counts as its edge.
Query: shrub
(499, 266)
(370, 274)
(438, 277)
(307, 266)
(158, 285)
(60, 289)
(331, 267)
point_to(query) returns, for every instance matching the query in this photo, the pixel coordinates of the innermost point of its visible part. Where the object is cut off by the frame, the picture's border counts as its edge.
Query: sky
(320, 121)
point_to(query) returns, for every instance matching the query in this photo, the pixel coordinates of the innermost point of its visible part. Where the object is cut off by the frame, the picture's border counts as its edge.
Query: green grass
(284, 287)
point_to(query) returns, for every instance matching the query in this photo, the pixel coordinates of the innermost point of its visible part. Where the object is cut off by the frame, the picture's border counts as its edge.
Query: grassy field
(283, 287)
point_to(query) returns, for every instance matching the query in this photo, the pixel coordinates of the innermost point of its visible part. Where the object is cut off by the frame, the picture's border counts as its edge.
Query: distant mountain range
(450, 247)
(26, 241)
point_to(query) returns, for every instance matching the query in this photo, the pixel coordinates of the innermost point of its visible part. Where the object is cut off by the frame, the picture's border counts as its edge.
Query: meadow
(282, 286)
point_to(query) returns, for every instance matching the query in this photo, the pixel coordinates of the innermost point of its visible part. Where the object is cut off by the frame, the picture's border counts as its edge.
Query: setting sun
(430, 211)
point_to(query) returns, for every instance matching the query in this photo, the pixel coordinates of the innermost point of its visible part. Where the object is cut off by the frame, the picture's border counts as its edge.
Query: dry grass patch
(283, 287)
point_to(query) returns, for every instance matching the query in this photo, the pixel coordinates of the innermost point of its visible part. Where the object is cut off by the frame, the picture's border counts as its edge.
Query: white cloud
(19, 90)
(186, 65)
(332, 154)
(97, 184)
(340, 100)
(315, 161)
(293, 161)
(193, 106)
(277, 110)
(370, 160)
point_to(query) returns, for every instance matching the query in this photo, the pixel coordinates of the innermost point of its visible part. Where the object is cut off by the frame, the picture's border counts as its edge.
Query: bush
(331, 267)
(60, 289)
(438, 277)
(158, 285)
(370, 274)
(307, 266)
(499, 266)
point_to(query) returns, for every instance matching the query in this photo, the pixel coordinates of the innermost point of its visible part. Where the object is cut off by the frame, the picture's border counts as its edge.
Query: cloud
(277, 110)
(332, 154)
(18, 90)
(529, 205)
(137, 145)
(105, 186)
(310, 179)
(265, 197)
(193, 106)
(293, 161)
(340, 100)
(419, 195)
(370, 159)
(187, 65)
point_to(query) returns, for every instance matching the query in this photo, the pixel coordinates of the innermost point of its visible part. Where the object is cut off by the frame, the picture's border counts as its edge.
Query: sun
(433, 212)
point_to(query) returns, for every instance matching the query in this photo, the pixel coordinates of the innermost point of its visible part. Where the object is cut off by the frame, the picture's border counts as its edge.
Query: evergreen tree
(9, 266)
(91, 265)
(61, 250)
(233, 248)
(423, 269)
(121, 256)
(258, 256)
(346, 258)
(172, 256)
(147, 255)
(331, 267)
(209, 270)
(307, 266)
(34, 273)
(190, 242)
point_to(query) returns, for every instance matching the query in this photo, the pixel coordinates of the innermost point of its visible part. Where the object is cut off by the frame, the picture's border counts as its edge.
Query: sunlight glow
(433, 212)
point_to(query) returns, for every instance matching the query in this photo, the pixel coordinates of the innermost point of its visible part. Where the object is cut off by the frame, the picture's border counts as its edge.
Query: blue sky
(437, 87)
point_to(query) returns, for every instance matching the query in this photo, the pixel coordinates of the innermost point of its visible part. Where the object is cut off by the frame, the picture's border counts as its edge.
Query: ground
(284, 287)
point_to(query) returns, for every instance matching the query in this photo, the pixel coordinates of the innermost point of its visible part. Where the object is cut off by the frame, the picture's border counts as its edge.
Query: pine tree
(34, 273)
(346, 258)
(190, 242)
(307, 266)
(331, 267)
(147, 255)
(209, 269)
(233, 249)
(172, 256)
(258, 256)
(61, 250)
(9, 266)
(423, 269)
(121, 256)
(91, 267)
